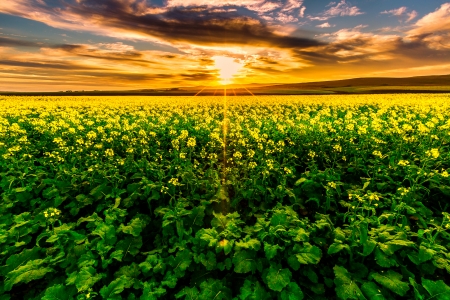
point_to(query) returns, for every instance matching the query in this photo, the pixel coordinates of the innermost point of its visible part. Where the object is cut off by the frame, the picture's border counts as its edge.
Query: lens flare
(227, 66)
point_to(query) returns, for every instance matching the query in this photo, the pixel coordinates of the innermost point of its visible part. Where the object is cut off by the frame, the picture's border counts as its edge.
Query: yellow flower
(403, 162)
(191, 142)
(433, 152)
(237, 155)
(332, 185)
(109, 152)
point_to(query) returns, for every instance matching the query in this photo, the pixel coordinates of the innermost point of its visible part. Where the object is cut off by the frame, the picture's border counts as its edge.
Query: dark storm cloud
(8, 42)
(198, 25)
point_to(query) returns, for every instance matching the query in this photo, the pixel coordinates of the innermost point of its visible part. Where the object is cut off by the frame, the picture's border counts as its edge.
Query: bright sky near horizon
(52, 45)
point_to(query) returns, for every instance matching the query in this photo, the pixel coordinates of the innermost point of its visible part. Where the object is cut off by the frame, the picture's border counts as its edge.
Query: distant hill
(369, 85)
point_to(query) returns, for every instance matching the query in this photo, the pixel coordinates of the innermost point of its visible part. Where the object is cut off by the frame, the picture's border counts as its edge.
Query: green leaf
(152, 291)
(392, 281)
(247, 243)
(32, 270)
(336, 247)
(59, 292)
(346, 287)
(189, 293)
(372, 291)
(180, 262)
(437, 289)
(278, 278)
(271, 250)
(213, 289)
(425, 254)
(419, 291)
(106, 232)
(244, 261)
(293, 262)
(115, 287)
(16, 260)
(253, 290)
(364, 229)
(208, 260)
(292, 292)
(129, 245)
(368, 247)
(85, 279)
(384, 260)
(131, 271)
(308, 254)
(196, 216)
(134, 227)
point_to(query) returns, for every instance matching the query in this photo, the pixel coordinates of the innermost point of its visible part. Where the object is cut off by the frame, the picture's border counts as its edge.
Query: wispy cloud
(337, 9)
(342, 9)
(402, 12)
(325, 25)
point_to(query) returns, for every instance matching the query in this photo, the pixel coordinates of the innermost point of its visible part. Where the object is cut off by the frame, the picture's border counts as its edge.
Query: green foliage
(288, 218)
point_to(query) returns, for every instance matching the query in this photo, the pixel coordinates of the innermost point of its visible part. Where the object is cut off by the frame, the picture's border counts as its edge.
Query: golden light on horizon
(227, 66)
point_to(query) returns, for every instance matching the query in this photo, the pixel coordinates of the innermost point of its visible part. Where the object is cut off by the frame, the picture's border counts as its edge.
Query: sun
(227, 66)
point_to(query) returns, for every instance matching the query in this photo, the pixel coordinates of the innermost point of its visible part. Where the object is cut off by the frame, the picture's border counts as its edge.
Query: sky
(54, 45)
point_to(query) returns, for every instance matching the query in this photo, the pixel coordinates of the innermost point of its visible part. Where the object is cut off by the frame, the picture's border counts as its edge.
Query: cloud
(402, 12)
(291, 5)
(286, 18)
(130, 19)
(433, 28)
(9, 42)
(342, 9)
(325, 25)
(335, 9)
(435, 22)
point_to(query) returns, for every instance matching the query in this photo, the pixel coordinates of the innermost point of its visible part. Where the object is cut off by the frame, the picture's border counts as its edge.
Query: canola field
(268, 197)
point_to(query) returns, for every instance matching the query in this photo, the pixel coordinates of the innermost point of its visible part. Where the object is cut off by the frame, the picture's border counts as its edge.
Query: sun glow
(227, 66)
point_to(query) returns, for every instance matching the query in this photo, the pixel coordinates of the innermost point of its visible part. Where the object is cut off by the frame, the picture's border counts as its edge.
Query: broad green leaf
(336, 247)
(425, 254)
(134, 227)
(196, 216)
(131, 271)
(129, 245)
(253, 290)
(214, 289)
(16, 260)
(106, 232)
(86, 278)
(308, 254)
(292, 292)
(59, 292)
(181, 262)
(368, 247)
(384, 260)
(32, 270)
(364, 229)
(188, 293)
(115, 287)
(270, 250)
(152, 291)
(244, 261)
(248, 243)
(437, 289)
(293, 262)
(208, 260)
(392, 281)
(419, 291)
(346, 287)
(372, 291)
(278, 278)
